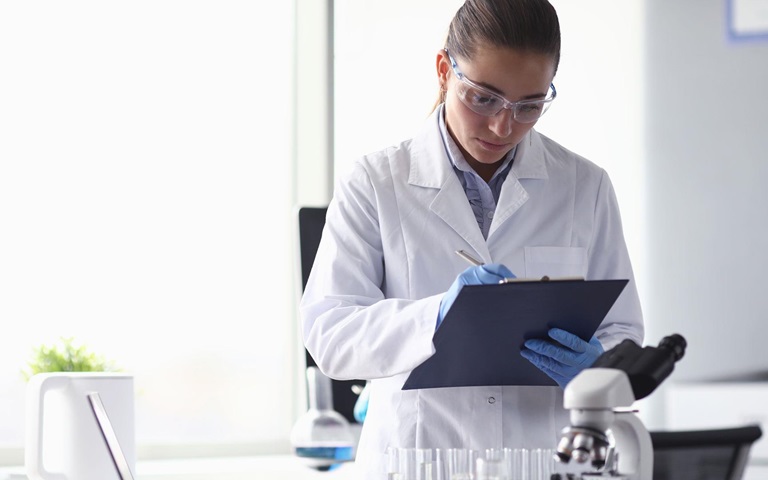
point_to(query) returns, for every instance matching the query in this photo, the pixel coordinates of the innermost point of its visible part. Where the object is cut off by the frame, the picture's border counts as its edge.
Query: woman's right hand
(491, 273)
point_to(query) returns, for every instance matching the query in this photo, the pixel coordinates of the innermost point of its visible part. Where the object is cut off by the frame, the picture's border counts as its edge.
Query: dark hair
(529, 25)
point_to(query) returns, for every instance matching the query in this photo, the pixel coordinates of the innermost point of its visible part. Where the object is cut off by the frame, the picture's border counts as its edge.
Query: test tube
(393, 464)
(542, 463)
(424, 465)
(440, 466)
(490, 469)
(519, 459)
(461, 463)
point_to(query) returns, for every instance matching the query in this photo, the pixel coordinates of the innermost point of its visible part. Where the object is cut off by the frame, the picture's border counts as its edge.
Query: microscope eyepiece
(646, 367)
(676, 343)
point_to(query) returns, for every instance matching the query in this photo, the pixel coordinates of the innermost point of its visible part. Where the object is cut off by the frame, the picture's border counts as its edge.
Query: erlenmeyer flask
(321, 437)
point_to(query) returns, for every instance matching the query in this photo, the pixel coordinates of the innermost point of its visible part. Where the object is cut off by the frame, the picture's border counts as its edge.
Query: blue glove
(361, 405)
(564, 358)
(491, 273)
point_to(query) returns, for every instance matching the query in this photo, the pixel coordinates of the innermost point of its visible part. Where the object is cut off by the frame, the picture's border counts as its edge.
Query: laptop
(116, 452)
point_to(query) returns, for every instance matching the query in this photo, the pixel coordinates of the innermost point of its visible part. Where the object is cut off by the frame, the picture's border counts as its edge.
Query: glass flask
(322, 437)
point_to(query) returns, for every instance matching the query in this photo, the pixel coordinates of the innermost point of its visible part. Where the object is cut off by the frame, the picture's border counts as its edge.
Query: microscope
(604, 430)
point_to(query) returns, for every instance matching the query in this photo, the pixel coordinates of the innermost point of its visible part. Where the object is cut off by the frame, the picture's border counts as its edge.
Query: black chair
(311, 223)
(719, 454)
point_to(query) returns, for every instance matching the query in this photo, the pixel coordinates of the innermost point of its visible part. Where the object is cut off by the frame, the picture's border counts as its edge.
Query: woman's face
(513, 74)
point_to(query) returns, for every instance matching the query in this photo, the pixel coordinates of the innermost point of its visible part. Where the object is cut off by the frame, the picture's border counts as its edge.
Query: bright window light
(146, 180)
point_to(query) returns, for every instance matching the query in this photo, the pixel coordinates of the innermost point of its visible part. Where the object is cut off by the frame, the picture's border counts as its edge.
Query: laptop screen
(102, 419)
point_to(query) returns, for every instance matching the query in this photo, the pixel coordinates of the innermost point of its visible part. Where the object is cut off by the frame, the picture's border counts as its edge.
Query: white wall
(385, 80)
(706, 171)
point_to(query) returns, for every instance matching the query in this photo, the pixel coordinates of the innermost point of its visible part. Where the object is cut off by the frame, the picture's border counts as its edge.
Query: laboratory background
(154, 154)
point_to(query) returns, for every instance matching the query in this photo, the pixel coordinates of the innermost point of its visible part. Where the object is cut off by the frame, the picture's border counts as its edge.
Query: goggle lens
(488, 104)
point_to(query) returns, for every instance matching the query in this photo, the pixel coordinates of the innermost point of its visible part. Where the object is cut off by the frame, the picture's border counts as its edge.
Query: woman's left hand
(563, 358)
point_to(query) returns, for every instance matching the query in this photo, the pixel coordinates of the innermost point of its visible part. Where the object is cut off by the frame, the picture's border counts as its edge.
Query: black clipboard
(479, 341)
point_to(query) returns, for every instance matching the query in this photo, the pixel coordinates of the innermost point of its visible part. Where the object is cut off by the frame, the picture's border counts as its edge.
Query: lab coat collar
(529, 164)
(427, 172)
(430, 165)
(530, 157)
(431, 168)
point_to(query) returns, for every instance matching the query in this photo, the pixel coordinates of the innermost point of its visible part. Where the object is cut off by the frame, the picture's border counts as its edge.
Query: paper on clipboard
(480, 339)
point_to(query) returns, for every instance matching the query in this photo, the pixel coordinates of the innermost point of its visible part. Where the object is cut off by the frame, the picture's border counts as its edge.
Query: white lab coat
(387, 256)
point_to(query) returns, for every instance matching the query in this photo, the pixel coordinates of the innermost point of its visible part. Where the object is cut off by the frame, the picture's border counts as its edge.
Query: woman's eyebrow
(533, 96)
(491, 88)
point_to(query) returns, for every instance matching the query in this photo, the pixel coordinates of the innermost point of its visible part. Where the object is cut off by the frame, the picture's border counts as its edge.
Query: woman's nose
(501, 123)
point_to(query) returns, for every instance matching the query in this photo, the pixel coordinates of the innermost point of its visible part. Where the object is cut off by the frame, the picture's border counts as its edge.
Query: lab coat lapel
(528, 163)
(452, 206)
(431, 168)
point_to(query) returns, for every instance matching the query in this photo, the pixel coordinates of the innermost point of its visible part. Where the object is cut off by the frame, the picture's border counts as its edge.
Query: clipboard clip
(545, 278)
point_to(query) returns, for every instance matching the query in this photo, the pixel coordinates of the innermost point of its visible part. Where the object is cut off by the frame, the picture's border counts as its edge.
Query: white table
(278, 467)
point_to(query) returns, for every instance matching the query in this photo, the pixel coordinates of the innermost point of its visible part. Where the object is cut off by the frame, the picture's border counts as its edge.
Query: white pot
(63, 440)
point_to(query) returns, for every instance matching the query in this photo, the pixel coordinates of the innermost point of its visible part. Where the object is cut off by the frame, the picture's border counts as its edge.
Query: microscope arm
(636, 462)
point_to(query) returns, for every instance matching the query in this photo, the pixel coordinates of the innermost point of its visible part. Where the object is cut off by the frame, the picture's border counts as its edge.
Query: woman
(479, 178)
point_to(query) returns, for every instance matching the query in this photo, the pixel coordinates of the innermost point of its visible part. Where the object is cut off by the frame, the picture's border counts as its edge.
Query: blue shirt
(482, 196)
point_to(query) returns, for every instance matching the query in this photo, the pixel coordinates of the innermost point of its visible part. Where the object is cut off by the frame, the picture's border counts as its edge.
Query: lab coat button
(490, 214)
(491, 400)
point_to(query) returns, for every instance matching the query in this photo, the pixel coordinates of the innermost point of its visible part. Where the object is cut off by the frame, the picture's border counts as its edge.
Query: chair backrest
(311, 224)
(719, 454)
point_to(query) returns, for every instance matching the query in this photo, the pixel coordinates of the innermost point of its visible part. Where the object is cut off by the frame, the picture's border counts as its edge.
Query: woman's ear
(443, 64)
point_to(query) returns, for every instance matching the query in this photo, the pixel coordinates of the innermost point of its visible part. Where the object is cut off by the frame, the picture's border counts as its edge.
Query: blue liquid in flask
(321, 437)
(325, 458)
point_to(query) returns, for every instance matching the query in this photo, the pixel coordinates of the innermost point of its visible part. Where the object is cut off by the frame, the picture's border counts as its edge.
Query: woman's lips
(494, 147)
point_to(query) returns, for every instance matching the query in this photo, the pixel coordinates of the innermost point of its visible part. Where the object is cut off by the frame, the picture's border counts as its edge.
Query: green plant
(66, 357)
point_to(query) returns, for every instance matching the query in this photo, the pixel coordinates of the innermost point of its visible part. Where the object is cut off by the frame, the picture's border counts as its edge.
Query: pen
(468, 258)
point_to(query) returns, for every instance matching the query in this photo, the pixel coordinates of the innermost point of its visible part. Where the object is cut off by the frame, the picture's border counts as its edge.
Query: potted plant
(66, 356)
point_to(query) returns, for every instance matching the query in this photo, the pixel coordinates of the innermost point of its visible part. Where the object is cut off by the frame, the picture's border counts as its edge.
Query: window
(146, 176)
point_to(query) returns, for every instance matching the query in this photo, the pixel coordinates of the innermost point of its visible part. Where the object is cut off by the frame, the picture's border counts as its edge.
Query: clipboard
(479, 341)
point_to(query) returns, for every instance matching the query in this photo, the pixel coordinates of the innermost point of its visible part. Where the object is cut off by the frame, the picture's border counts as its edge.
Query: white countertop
(277, 467)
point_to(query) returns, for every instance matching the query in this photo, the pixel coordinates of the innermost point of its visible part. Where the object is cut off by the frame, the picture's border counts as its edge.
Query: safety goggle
(487, 103)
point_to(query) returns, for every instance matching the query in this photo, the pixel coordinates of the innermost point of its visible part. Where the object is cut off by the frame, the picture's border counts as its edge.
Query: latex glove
(491, 273)
(361, 405)
(563, 358)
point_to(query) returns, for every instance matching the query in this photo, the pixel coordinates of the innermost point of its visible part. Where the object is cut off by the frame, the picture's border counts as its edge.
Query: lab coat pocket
(555, 262)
